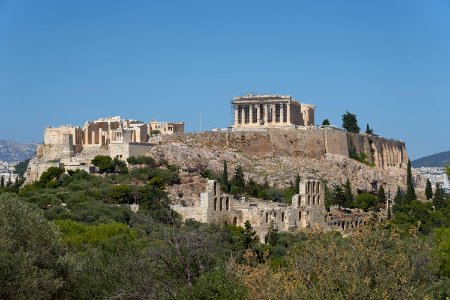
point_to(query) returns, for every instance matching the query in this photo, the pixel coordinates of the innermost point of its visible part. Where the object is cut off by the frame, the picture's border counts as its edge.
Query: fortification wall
(265, 143)
(310, 142)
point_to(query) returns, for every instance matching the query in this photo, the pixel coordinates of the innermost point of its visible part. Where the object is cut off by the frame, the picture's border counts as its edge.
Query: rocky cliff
(278, 155)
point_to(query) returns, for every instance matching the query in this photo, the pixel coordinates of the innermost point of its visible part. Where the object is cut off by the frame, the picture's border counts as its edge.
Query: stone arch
(227, 203)
(235, 219)
(221, 207)
(267, 217)
(215, 203)
(282, 216)
(309, 200)
(318, 200)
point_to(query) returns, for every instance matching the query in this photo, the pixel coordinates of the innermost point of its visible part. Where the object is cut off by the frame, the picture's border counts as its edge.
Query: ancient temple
(266, 111)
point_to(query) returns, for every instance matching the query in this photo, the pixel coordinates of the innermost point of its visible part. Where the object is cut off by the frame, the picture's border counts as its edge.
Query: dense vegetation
(73, 236)
(239, 186)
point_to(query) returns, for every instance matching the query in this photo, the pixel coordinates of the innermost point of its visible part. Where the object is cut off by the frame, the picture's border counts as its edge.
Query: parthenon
(265, 111)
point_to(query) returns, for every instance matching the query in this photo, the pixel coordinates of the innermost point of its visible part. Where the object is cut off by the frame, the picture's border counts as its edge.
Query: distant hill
(435, 160)
(15, 152)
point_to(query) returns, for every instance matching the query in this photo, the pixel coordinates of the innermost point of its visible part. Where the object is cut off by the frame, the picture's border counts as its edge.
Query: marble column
(236, 115)
(266, 114)
(288, 106)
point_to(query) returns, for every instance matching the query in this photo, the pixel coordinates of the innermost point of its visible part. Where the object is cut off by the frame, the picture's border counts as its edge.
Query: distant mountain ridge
(436, 160)
(16, 152)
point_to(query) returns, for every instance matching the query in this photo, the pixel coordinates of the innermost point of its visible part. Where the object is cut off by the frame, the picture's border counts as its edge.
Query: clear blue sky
(65, 62)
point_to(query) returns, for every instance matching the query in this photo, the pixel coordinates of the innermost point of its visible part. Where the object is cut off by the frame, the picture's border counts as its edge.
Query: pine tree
(2, 182)
(348, 194)
(410, 191)
(381, 195)
(326, 122)
(439, 197)
(428, 190)
(297, 183)
(225, 176)
(369, 130)
(350, 123)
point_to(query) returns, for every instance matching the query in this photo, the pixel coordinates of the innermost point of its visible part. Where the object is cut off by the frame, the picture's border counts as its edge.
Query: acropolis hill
(273, 137)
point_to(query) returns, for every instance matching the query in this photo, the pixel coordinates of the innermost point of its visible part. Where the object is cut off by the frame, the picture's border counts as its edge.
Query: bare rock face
(279, 170)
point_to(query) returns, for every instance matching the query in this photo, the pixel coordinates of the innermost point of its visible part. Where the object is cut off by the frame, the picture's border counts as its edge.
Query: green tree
(369, 130)
(238, 179)
(50, 177)
(326, 122)
(31, 262)
(439, 197)
(297, 183)
(428, 190)
(364, 201)
(2, 182)
(225, 176)
(381, 196)
(350, 123)
(398, 199)
(442, 248)
(410, 191)
(348, 194)
(272, 235)
(339, 197)
(103, 163)
(249, 235)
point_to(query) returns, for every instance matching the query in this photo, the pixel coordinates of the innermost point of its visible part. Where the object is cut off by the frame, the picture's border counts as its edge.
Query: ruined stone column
(236, 112)
(251, 114)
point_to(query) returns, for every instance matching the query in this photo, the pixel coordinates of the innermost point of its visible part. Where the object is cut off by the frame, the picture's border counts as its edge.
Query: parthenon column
(266, 114)
(250, 119)
(281, 113)
(236, 111)
(288, 105)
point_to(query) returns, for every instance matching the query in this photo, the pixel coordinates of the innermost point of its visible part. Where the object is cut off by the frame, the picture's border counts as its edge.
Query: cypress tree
(398, 199)
(429, 190)
(338, 196)
(381, 195)
(297, 183)
(249, 235)
(348, 194)
(410, 191)
(239, 178)
(272, 235)
(225, 175)
(2, 182)
(369, 130)
(439, 197)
